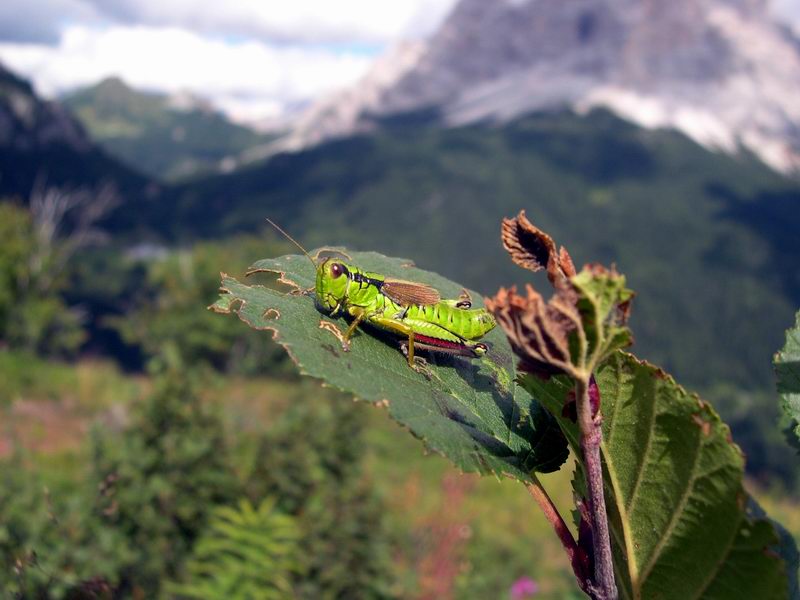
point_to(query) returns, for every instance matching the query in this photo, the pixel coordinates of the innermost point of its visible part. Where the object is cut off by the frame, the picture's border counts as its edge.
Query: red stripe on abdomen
(431, 341)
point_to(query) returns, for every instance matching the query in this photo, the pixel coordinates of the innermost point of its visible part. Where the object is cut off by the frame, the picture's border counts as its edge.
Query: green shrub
(161, 478)
(52, 545)
(33, 316)
(245, 553)
(311, 463)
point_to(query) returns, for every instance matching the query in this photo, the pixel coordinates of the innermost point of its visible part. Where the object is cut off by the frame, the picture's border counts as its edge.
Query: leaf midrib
(627, 536)
(623, 519)
(629, 505)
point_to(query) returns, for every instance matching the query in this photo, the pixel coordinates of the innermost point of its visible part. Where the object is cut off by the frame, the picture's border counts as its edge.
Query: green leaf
(471, 411)
(680, 522)
(601, 293)
(786, 548)
(787, 369)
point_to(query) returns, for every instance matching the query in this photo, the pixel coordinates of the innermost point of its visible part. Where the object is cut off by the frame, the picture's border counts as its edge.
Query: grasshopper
(414, 312)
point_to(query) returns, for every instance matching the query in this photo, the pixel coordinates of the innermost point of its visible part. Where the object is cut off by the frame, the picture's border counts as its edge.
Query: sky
(255, 59)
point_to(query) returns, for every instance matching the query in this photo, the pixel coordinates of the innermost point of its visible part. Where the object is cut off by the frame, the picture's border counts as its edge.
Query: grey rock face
(719, 70)
(27, 122)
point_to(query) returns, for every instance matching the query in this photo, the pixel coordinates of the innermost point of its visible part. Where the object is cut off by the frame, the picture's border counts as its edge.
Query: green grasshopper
(412, 311)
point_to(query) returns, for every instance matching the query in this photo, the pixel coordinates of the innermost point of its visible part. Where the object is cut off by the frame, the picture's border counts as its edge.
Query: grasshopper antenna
(294, 241)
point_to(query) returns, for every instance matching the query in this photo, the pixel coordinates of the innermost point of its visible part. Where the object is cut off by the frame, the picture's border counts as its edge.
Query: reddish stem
(603, 586)
(562, 531)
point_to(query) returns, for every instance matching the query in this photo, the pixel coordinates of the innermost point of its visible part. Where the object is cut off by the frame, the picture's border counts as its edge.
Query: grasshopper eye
(336, 270)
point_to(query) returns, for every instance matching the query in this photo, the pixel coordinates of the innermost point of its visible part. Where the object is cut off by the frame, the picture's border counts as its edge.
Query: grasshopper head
(331, 285)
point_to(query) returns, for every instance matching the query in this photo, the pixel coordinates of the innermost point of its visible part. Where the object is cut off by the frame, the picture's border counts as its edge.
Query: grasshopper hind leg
(416, 362)
(402, 329)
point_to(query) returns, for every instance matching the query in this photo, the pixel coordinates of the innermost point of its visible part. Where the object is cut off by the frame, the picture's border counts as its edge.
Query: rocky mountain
(42, 145)
(28, 123)
(721, 71)
(166, 137)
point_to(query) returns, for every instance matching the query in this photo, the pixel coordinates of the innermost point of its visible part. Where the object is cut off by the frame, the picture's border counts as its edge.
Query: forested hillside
(166, 137)
(708, 240)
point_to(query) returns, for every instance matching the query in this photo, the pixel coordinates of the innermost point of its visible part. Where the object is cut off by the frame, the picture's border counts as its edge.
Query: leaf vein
(645, 455)
(715, 571)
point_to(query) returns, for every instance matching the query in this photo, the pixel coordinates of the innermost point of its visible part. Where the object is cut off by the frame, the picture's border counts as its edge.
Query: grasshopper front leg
(359, 315)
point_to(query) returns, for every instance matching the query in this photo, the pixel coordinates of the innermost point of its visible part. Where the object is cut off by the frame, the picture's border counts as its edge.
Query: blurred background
(142, 145)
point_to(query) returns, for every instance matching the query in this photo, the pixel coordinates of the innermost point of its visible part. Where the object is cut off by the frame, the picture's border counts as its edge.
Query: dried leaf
(579, 327)
(566, 263)
(531, 248)
(538, 332)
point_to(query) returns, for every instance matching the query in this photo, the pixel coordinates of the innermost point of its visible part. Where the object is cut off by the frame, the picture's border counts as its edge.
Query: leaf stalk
(576, 557)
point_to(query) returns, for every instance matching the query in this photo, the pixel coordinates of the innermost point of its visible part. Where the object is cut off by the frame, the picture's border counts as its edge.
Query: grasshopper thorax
(331, 287)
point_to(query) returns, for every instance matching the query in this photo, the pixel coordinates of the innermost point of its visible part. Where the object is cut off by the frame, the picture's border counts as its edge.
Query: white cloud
(251, 57)
(308, 21)
(248, 75)
(320, 21)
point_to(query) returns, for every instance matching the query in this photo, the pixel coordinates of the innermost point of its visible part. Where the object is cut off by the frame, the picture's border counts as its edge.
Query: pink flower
(524, 587)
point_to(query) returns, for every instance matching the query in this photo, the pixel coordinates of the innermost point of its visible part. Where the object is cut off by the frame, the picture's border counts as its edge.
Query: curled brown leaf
(531, 248)
(538, 331)
(565, 262)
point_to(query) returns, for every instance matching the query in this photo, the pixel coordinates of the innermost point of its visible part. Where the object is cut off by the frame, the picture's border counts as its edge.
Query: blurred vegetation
(169, 307)
(161, 477)
(140, 517)
(33, 316)
(312, 463)
(245, 553)
(86, 385)
(757, 427)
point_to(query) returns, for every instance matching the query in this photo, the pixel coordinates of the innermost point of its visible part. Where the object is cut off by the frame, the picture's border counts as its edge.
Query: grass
(87, 386)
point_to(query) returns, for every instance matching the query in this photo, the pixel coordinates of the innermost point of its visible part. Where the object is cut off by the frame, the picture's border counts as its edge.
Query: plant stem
(562, 531)
(604, 587)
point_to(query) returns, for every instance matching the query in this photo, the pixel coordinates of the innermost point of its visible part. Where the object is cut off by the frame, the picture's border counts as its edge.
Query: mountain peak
(28, 122)
(721, 71)
(113, 83)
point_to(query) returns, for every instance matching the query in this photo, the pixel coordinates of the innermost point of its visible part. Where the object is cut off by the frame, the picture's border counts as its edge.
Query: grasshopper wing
(409, 292)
